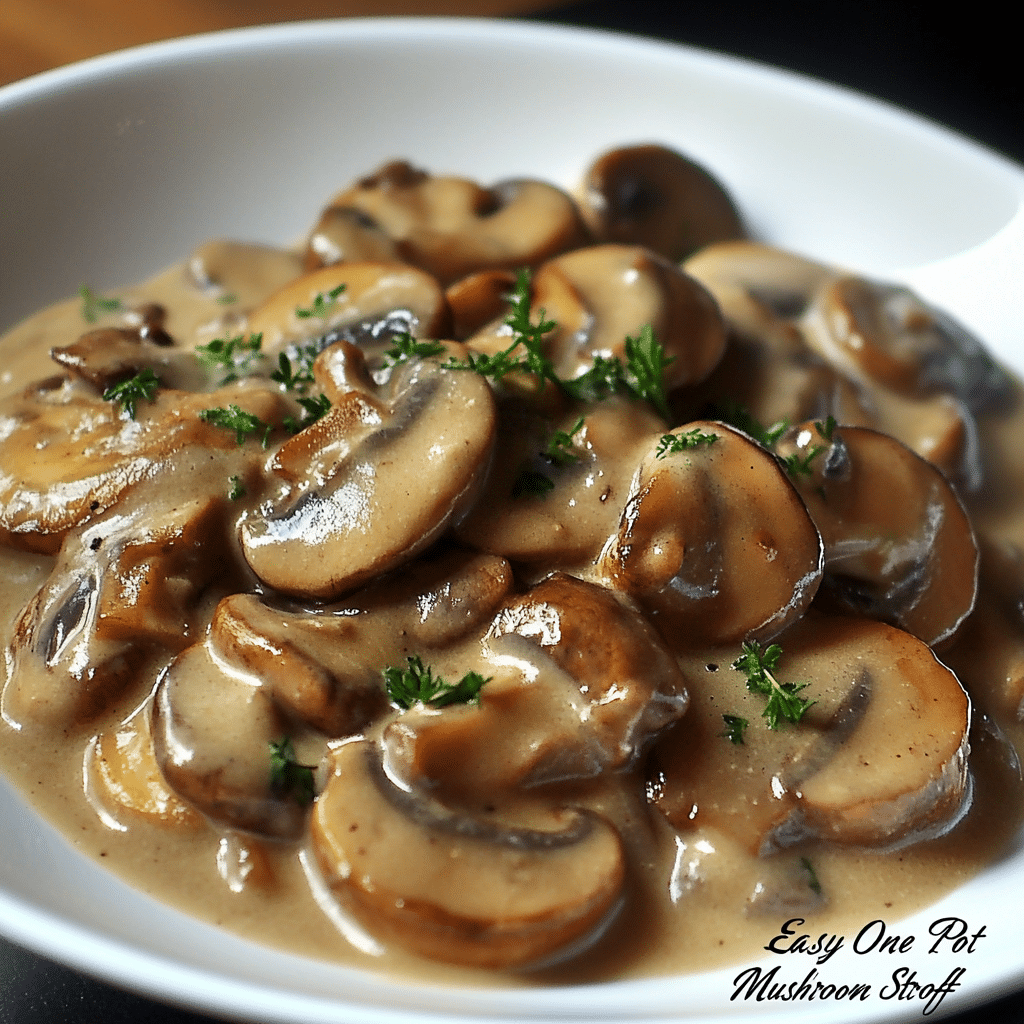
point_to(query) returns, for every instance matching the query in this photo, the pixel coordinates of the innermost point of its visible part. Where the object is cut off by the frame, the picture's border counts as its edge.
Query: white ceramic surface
(119, 166)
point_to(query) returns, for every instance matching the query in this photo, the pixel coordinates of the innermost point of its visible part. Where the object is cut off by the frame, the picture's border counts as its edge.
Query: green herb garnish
(288, 778)
(739, 416)
(129, 392)
(559, 449)
(670, 444)
(812, 876)
(417, 684)
(532, 483)
(93, 305)
(236, 355)
(321, 305)
(760, 666)
(645, 366)
(237, 488)
(734, 728)
(299, 377)
(241, 422)
(405, 346)
(313, 409)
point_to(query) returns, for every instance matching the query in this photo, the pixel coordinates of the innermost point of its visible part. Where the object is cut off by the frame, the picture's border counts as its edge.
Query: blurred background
(959, 66)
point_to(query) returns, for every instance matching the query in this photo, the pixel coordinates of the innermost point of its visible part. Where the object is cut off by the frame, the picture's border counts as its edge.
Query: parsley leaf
(417, 684)
(405, 346)
(236, 355)
(812, 876)
(129, 392)
(670, 444)
(313, 409)
(527, 349)
(760, 666)
(288, 778)
(93, 305)
(321, 305)
(734, 728)
(739, 416)
(241, 422)
(532, 483)
(645, 363)
(237, 488)
(559, 449)
(299, 377)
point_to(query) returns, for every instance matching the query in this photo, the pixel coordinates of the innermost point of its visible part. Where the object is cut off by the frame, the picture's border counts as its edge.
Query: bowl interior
(122, 165)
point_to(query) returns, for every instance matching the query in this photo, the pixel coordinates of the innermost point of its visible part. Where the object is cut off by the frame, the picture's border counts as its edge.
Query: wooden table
(36, 35)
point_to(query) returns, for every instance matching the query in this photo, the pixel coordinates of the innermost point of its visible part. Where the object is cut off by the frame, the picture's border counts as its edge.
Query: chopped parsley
(313, 409)
(94, 305)
(299, 377)
(760, 666)
(404, 346)
(236, 355)
(670, 444)
(288, 778)
(241, 422)
(129, 392)
(237, 489)
(321, 305)
(734, 728)
(531, 483)
(417, 684)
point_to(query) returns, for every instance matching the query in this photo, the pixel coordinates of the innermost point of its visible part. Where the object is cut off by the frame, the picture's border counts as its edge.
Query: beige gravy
(700, 892)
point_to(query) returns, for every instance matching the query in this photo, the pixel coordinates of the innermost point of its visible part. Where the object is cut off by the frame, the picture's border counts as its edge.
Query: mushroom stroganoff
(503, 575)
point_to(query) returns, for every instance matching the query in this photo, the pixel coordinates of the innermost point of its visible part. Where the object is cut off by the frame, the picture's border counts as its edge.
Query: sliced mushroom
(336, 526)
(346, 235)
(600, 295)
(656, 197)
(67, 457)
(579, 684)
(899, 545)
(213, 737)
(122, 590)
(479, 300)
(363, 303)
(567, 523)
(452, 227)
(886, 334)
(471, 891)
(123, 780)
(714, 541)
(239, 273)
(781, 280)
(878, 760)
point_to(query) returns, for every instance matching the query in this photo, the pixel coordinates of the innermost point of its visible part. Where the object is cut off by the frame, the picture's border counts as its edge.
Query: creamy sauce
(698, 890)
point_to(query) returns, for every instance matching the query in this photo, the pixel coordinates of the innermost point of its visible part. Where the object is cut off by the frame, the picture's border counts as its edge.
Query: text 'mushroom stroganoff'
(502, 574)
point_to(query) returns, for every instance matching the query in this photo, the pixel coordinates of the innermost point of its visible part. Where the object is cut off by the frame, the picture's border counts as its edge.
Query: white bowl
(116, 167)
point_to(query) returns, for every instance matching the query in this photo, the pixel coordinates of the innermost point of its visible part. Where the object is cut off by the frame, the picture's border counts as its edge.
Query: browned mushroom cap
(323, 669)
(124, 587)
(658, 198)
(559, 510)
(479, 300)
(241, 273)
(385, 496)
(879, 760)
(346, 235)
(67, 457)
(887, 335)
(471, 891)
(124, 783)
(899, 545)
(714, 540)
(600, 295)
(364, 303)
(769, 371)
(781, 280)
(213, 734)
(578, 684)
(452, 227)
